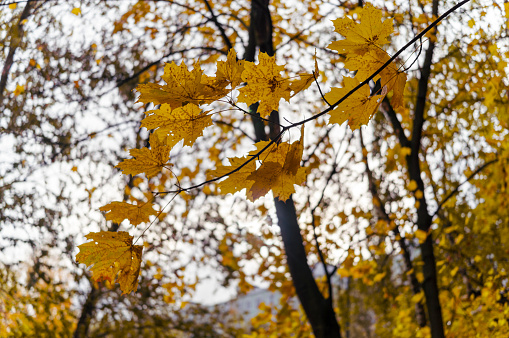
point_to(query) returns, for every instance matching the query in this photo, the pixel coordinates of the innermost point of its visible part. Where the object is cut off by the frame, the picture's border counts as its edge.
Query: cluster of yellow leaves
(362, 48)
(273, 166)
(180, 117)
(41, 309)
(285, 320)
(279, 171)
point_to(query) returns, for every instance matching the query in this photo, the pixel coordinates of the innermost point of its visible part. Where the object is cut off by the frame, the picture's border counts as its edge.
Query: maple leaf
(136, 214)
(279, 171)
(230, 71)
(370, 33)
(110, 254)
(182, 87)
(264, 84)
(370, 62)
(236, 181)
(357, 108)
(148, 161)
(184, 123)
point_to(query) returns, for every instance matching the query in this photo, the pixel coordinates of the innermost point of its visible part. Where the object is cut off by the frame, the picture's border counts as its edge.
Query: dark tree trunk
(319, 310)
(430, 284)
(86, 313)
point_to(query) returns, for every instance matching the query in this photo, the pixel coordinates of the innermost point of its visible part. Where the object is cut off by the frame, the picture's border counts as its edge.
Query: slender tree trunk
(430, 284)
(431, 291)
(86, 313)
(380, 205)
(318, 309)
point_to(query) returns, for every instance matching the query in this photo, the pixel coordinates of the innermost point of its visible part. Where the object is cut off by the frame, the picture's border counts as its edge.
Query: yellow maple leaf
(110, 254)
(13, 6)
(148, 161)
(76, 11)
(264, 84)
(182, 87)
(370, 62)
(370, 33)
(136, 214)
(357, 108)
(184, 123)
(236, 181)
(279, 171)
(230, 71)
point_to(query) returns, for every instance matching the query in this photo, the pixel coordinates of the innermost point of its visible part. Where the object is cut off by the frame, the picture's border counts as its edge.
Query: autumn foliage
(349, 157)
(182, 115)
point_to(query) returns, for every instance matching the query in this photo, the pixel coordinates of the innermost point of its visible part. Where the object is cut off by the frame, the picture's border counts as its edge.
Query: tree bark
(373, 188)
(318, 309)
(430, 284)
(86, 313)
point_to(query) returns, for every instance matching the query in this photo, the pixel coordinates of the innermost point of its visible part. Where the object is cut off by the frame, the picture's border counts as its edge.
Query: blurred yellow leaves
(20, 89)
(421, 235)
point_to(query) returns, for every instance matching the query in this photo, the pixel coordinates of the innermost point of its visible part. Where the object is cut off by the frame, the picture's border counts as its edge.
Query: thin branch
(226, 40)
(317, 244)
(452, 193)
(320, 90)
(314, 117)
(235, 128)
(398, 128)
(254, 115)
(385, 65)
